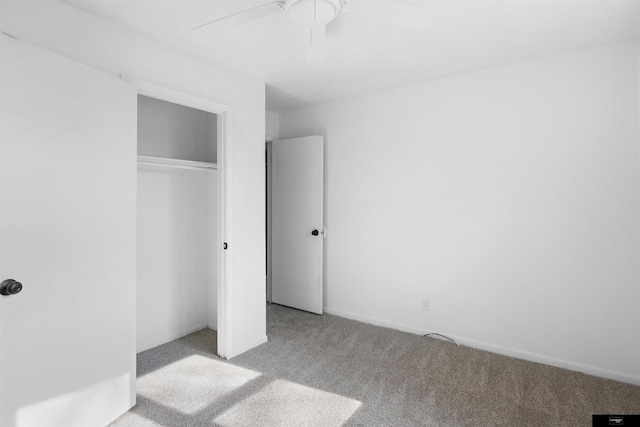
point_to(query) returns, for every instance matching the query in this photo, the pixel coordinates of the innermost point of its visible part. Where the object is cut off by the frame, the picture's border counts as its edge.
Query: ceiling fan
(314, 15)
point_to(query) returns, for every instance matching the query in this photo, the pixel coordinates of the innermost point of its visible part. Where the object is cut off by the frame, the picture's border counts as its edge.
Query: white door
(297, 223)
(68, 234)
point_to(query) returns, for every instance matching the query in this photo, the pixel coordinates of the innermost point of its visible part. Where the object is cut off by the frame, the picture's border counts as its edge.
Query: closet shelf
(175, 163)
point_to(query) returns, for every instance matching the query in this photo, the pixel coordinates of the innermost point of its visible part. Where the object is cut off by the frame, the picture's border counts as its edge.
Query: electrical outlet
(426, 304)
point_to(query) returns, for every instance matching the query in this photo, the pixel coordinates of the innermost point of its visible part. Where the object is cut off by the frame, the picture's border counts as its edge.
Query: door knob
(10, 287)
(314, 232)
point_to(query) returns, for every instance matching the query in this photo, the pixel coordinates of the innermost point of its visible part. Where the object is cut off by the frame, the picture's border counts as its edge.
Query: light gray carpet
(328, 371)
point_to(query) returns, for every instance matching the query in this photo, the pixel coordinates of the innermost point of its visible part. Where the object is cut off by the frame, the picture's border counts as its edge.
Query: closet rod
(175, 163)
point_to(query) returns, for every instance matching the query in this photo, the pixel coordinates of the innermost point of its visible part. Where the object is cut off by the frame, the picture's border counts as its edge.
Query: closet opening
(177, 221)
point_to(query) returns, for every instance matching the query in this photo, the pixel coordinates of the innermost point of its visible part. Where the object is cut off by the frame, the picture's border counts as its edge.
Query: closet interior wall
(177, 243)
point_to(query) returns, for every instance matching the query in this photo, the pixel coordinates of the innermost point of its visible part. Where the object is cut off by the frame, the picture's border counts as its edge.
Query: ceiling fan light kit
(312, 13)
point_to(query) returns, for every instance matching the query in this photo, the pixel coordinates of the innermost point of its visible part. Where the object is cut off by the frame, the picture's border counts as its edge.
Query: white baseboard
(375, 321)
(506, 351)
(169, 337)
(213, 326)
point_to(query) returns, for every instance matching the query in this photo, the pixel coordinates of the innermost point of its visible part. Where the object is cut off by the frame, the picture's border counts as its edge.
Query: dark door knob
(10, 287)
(315, 232)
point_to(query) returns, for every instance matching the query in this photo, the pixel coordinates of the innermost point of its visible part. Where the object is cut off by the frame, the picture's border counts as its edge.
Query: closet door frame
(223, 113)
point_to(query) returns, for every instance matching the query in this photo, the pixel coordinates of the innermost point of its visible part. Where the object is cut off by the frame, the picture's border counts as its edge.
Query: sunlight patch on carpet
(193, 383)
(285, 403)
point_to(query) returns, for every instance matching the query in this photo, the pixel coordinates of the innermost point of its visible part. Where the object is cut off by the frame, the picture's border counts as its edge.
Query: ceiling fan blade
(401, 14)
(315, 43)
(247, 15)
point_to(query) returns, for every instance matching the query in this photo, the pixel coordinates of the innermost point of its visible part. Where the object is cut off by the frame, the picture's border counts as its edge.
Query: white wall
(213, 242)
(272, 125)
(117, 50)
(176, 290)
(509, 197)
(175, 131)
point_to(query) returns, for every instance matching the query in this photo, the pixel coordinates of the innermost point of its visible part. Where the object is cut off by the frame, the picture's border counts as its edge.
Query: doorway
(295, 222)
(222, 208)
(268, 192)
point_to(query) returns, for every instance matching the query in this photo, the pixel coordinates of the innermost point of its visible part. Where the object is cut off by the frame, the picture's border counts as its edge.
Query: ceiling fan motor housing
(312, 13)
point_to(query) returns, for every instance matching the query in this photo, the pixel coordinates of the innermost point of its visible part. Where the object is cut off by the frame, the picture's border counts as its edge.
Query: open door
(68, 235)
(297, 223)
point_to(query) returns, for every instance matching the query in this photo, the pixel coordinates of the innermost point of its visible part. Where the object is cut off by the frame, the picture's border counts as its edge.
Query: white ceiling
(365, 56)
